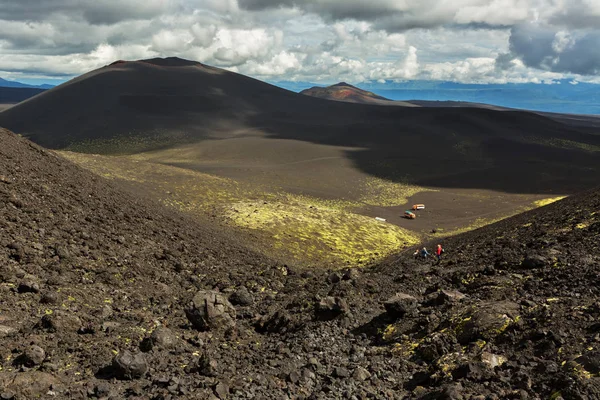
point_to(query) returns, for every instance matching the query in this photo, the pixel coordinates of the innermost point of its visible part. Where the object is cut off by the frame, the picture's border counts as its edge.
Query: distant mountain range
(561, 97)
(351, 94)
(15, 84)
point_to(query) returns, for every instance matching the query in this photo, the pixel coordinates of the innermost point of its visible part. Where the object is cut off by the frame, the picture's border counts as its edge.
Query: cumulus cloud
(311, 40)
(555, 50)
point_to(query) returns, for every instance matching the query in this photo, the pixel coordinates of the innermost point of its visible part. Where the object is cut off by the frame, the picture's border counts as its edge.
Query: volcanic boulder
(162, 338)
(129, 366)
(32, 356)
(487, 321)
(400, 304)
(241, 297)
(330, 307)
(209, 310)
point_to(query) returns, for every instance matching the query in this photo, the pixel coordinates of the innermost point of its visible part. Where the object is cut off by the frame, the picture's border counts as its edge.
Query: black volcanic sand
(96, 285)
(129, 107)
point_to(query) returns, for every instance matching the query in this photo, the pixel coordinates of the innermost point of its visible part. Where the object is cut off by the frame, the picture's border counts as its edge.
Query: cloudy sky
(482, 41)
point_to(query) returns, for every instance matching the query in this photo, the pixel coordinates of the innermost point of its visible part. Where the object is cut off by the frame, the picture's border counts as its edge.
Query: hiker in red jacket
(438, 252)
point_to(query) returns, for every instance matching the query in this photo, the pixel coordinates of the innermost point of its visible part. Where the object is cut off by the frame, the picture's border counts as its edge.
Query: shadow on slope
(145, 105)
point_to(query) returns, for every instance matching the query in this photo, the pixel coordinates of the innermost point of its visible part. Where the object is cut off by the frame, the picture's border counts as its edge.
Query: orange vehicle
(409, 215)
(418, 207)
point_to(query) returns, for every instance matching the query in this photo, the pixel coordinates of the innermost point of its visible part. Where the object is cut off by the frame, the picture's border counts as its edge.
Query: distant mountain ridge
(14, 95)
(14, 84)
(345, 92)
(564, 96)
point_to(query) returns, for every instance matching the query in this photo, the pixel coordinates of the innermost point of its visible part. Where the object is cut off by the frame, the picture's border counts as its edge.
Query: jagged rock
(452, 392)
(6, 331)
(493, 360)
(590, 361)
(49, 297)
(330, 307)
(28, 385)
(471, 370)
(209, 310)
(162, 337)
(29, 286)
(334, 278)
(351, 274)
(32, 356)
(294, 377)
(341, 372)
(129, 366)
(222, 390)
(61, 321)
(276, 322)
(450, 296)
(486, 321)
(241, 297)
(436, 345)
(361, 374)
(534, 261)
(400, 304)
(207, 366)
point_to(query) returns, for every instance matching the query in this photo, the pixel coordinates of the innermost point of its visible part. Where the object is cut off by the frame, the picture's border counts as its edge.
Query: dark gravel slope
(104, 295)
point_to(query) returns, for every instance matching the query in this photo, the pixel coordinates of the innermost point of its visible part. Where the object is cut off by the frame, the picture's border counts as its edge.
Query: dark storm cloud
(347, 9)
(94, 12)
(557, 51)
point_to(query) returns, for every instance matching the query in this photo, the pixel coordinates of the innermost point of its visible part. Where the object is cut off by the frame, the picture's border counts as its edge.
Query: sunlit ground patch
(308, 232)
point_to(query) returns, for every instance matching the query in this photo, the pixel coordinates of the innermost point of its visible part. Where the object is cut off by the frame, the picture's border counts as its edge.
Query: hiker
(416, 253)
(424, 253)
(438, 252)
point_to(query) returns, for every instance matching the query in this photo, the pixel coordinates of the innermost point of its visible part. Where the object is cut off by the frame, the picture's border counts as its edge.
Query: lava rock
(450, 296)
(400, 305)
(533, 261)
(241, 297)
(209, 310)
(487, 321)
(28, 287)
(436, 345)
(162, 337)
(126, 365)
(351, 274)
(222, 390)
(6, 331)
(32, 356)
(330, 308)
(334, 278)
(590, 361)
(361, 374)
(207, 366)
(341, 372)
(472, 371)
(49, 298)
(277, 322)
(61, 321)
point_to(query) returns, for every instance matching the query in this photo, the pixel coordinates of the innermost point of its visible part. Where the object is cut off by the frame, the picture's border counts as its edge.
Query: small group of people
(424, 254)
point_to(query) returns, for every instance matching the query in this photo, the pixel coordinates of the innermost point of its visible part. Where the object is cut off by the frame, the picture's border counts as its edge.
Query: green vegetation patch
(545, 202)
(321, 233)
(384, 193)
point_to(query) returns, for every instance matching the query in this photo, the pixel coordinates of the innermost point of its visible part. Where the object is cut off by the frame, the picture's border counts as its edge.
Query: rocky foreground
(107, 296)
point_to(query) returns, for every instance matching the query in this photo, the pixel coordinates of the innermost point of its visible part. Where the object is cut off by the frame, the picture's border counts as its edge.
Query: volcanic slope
(128, 107)
(97, 287)
(345, 92)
